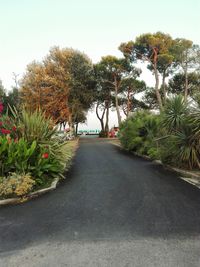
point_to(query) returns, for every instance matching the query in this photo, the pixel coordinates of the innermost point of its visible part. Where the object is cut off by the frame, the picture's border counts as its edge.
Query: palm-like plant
(174, 113)
(185, 148)
(34, 126)
(183, 127)
(194, 119)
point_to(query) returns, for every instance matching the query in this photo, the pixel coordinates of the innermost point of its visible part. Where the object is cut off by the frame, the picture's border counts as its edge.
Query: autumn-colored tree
(32, 86)
(58, 83)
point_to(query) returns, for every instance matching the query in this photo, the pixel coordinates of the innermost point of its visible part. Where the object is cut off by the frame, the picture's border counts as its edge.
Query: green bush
(16, 156)
(175, 113)
(34, 126)
(173, 136)
(103, 134)
(180, 147)
(138, 133)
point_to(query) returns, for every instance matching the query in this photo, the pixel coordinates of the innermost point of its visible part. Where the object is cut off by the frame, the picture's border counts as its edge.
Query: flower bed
(30, 154)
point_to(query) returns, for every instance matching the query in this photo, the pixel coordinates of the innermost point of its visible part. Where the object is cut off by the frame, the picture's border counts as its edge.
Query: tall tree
(113, 70)
(31, 86)
(103, 98)
(186, 54)
(60, 84)
(150, 48)
(177, 84)
(129, 88)
(82, 85)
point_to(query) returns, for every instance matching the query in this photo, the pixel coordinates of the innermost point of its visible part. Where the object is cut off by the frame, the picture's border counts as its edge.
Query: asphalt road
(113, 210)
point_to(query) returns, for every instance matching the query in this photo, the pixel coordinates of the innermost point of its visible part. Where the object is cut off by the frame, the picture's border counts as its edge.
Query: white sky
(29, 28)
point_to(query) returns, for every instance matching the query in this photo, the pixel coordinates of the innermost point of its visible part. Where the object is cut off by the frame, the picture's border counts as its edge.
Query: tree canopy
(61, 85)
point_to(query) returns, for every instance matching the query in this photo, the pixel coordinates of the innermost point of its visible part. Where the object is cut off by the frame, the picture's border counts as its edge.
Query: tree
(59, 84)
(32, 87)
(82, 85)
(153, 49)
(2, 89)
(103, 98)
(113, 71)
(185, 53)
(177, 84)
(165, 67)
(129, 88)
(100, 106)
(12, 99)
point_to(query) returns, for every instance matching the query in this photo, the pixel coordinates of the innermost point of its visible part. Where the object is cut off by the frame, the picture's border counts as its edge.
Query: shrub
(175, 113)
(180, 147)
(138, 133)
(7, 126)
(103, 134)
(35, 150)
(34, 126)
(16, 185)
(16, 155)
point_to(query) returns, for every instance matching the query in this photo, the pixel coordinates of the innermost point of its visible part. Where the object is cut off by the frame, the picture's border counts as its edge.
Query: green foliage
(16, 155)
(173, 136)
(8, 126)
(181, 149)
(181, 145)
(103, 134)
(174, 113)
(177, 84)
(34, 126)
(138, 133)
(34, 150)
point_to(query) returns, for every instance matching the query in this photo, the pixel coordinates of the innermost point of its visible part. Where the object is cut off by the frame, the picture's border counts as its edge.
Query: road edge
(185, 175)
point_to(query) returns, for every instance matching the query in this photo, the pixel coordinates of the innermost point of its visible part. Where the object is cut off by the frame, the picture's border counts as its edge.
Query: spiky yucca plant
(183, 126)
(174, 113)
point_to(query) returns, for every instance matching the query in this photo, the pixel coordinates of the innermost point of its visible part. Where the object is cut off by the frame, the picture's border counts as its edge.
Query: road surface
(113, 210)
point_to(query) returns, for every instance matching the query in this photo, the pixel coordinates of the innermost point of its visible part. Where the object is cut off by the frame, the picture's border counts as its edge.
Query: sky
(28, 28)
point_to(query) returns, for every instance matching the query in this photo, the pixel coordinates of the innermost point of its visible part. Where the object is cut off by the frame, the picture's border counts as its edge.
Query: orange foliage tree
(60, 83)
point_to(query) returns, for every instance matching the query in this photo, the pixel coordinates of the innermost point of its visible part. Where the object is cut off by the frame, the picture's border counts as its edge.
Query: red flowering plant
(1, 107)
(7, 126)
(28, 145)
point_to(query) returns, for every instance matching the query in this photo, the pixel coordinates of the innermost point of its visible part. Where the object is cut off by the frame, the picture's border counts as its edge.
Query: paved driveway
(113, 210)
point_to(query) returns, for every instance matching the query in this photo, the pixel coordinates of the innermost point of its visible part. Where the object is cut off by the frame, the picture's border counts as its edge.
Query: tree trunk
(76, 129)
(128, 103)
(107, 118)
(71, 125)
(164, 88)
(101, 118)
(186, 83)
(158, 96)
(117, 102)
